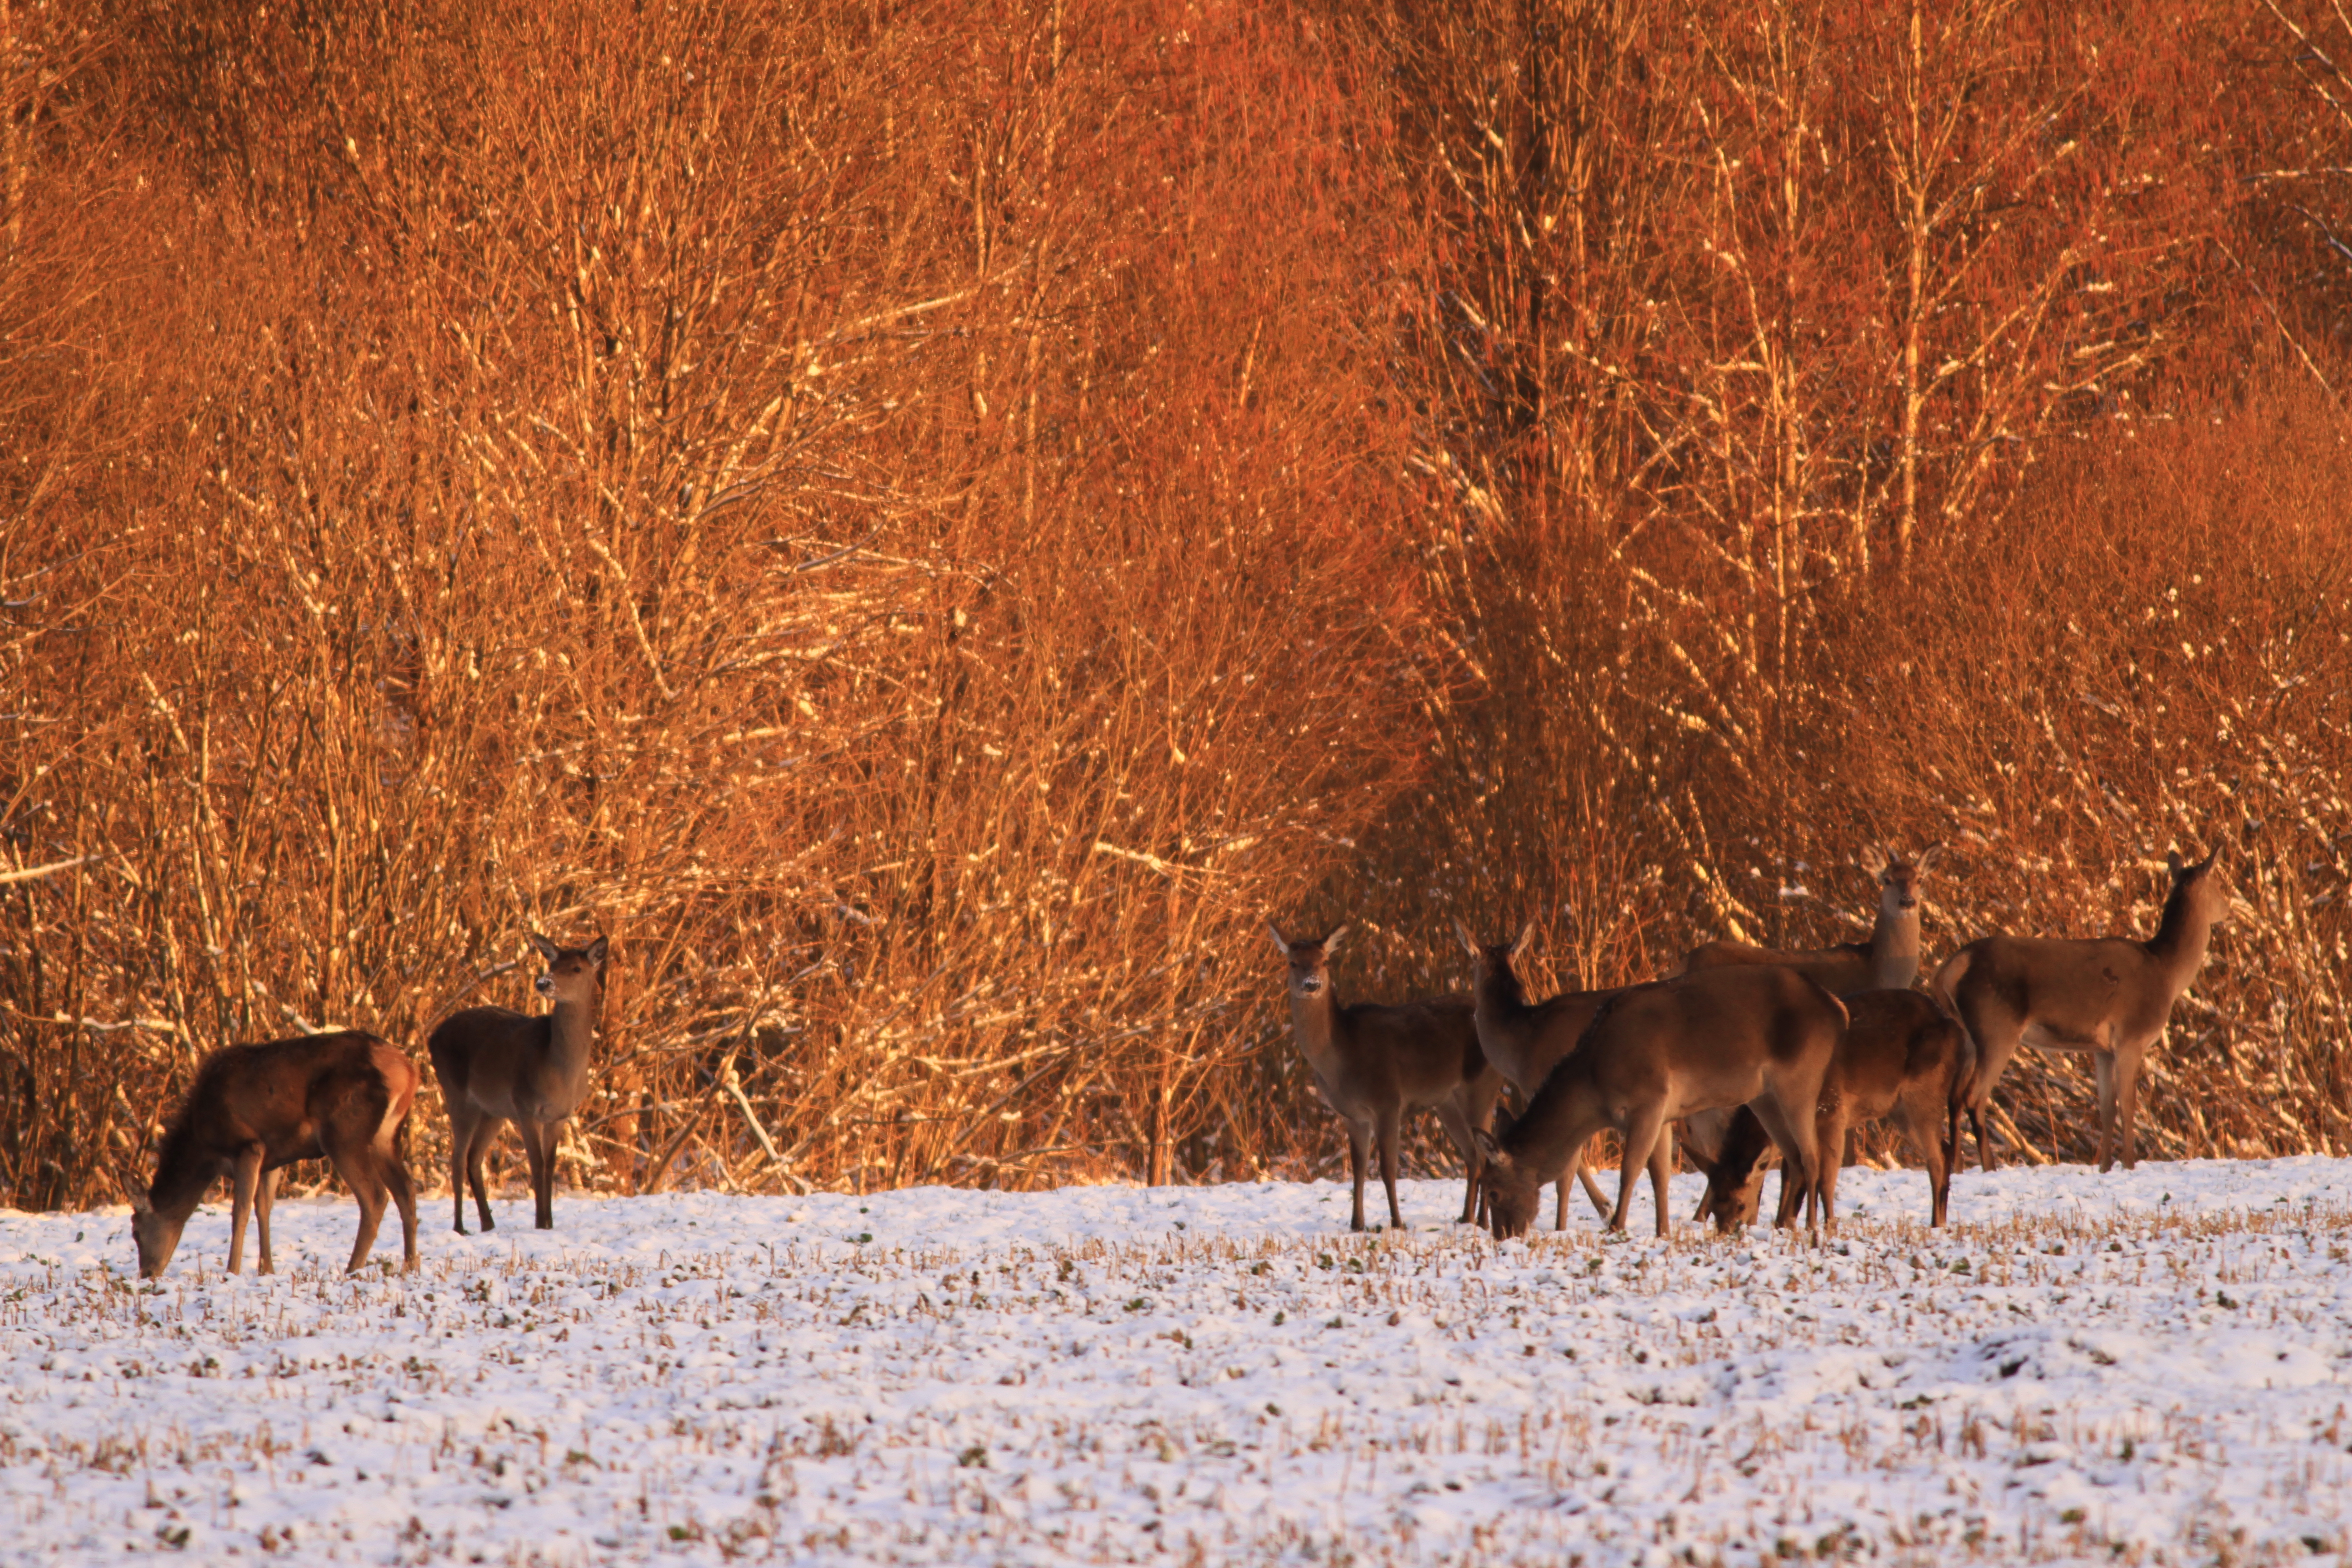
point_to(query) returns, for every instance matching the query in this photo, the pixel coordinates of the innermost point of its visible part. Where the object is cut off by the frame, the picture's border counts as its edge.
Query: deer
(341, 1096)
(2111, 997)
(498, 1066)
(1375, 1063)
(1526, 1041)
(1753, 1035)
(1902, 1055)
(1889, 960)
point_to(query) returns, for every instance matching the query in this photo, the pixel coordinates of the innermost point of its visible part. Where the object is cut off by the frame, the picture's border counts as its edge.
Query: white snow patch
(2154, 1362)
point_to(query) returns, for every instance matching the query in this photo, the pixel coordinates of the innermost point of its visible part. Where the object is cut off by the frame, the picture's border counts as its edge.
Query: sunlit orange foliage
(925, 523)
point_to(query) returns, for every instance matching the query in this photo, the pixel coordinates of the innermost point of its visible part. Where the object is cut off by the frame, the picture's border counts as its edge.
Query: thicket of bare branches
(924, 524)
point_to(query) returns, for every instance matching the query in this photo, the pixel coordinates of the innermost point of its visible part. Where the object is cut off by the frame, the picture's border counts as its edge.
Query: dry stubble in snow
(2147, 1368)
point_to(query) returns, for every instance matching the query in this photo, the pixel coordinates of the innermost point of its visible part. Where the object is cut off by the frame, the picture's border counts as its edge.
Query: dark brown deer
(1376, 1064)
(1900, 1055)
(2111, 997)
(1889, 960)
(343, 1098)
(498, 1066)
(1524, 1041)
(1750, 1034)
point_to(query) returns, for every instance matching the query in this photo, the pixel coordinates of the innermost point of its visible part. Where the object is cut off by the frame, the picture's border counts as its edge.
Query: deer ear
(1469, 942)
(134, 1193)
(2172, 861)
(1281, 942)
(1876, 859)
(597, 949)
(1927, 857)
(1331, 943)
(546, 948)
(1491, 1150)
(1520, 942)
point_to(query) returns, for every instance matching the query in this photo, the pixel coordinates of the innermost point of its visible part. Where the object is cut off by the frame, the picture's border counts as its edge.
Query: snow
(2149, 1366)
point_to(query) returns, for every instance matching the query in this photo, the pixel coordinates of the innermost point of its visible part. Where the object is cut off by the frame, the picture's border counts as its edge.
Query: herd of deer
(344, 1097)
(1749, 1050)
(1746, 1048)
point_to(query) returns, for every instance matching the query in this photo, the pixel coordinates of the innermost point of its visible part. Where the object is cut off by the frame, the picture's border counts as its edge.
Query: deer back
(281, 1095)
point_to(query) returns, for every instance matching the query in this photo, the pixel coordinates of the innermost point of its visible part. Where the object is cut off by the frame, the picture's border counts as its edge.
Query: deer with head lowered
(1900, 1056)
(498, 1066)
(1526, 1040)
(1751, 1035)
(1374, 1064)
(2111, 997)
(341, 1096)
(1889, 960)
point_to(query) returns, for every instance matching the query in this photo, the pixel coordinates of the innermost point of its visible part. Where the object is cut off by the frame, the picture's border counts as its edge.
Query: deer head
(1311, 961)
(570, 973)
(156, 1235)
(1512, 1194)
(1897, 879)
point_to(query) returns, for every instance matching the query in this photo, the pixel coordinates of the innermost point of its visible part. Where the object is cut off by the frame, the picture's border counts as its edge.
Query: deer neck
(1894, 949)
(2181, 937)
(1500, 1008)
(182, 1176)
(1564, 1114)
(570, 1036)
(1314, 1020)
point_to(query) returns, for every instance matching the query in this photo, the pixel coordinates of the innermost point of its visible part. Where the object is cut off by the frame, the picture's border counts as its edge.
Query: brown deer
(1889, 960)
(2111, 997)
(1374, 1064)
(343, 1097)
(1900, 1056)
(1526, 1041)
(498, 1066)
(1751, 1035)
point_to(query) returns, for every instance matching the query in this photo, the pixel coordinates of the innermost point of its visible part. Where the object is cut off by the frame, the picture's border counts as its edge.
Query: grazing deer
(1753, 1035)
(1376, 1063)
(1526, 1042)
(2111, 997)
(1889, 960)
(343, 1097)
(1900, 1055)
(498, 1066)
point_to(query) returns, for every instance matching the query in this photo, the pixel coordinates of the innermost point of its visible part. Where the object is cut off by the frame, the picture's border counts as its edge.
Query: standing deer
(343, 1097)
(1900, 1055)
(1753, 1035)
(2111, 997)
(1374, 1064)
(1889, 960)
(1526, 1041)
(498, 1066)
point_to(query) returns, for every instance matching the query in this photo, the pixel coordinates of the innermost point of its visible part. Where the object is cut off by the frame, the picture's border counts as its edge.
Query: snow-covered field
(2153, 1367)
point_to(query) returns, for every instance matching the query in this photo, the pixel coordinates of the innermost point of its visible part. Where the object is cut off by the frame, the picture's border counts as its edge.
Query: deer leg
(1389, 1125)
(1994, 1047)
(1662, 1174)
(1451, 1116)
(534, 1153)
(1642, 1132)
(244, 1176)
(359, 1174)
(1796, 1157)
(403, 1193)
(2103, 1074)
(462, 1127)
(265, 1192)
(2128, 1065)
(1925, 1126)
(478, 1148)
(1357, 1133)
